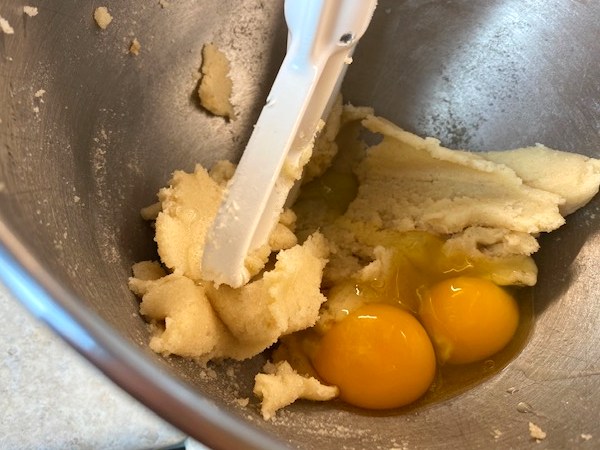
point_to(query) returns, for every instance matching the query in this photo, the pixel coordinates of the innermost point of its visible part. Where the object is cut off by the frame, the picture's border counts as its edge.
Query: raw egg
(379, 356)
(469, 319)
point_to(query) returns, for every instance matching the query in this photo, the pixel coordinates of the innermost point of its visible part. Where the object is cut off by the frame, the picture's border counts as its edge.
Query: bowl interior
(78, 161)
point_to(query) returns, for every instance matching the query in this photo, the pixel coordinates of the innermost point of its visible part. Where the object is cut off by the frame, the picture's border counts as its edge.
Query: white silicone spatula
(322, 36)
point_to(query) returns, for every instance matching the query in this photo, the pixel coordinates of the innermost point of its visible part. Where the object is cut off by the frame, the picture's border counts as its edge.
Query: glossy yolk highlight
(469, 319)
(379, 356)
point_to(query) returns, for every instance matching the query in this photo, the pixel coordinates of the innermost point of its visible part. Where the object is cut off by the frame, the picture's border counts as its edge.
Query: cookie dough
(193, 318)
(102, 17)
(215, 85)
(280, 385)
(490, 207)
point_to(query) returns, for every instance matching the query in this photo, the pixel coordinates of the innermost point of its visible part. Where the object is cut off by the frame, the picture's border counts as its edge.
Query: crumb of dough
(243, 402)
(102, 17)
(151, 212)
(164, 3)
(215, 85)
(281, 385)
(31, 11)
(39, 94)
(135, 47)
(221, 172)
(208, 373)
(5, 26)
(536, 432)
(586, 437)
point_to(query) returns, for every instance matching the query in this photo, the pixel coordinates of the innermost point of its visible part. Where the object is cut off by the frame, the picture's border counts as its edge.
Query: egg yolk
(469, 319)
(379, 356)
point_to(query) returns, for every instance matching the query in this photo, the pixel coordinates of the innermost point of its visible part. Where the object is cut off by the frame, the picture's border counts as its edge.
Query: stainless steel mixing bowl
(78, 162)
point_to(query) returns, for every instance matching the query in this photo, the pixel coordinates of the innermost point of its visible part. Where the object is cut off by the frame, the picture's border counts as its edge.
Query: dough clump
(489, 206)
(280, 385)
(135, 47)
(31, 11)
(102, 17)
(215, 85)
(193, 318)
(5, 26)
